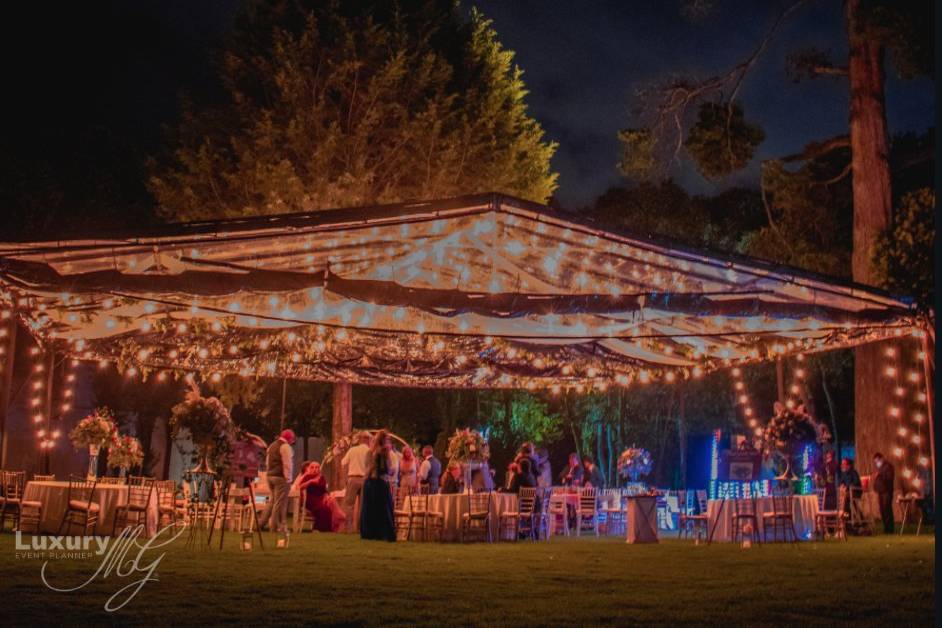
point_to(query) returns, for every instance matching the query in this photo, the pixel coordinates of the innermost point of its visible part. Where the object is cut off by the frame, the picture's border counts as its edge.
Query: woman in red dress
(322, 508)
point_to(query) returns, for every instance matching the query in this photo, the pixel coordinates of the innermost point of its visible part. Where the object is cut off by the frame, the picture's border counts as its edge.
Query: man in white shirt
(357, 462)
(279, 464)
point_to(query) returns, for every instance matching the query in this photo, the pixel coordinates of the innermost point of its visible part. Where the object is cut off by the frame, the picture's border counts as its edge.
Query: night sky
(114, 70)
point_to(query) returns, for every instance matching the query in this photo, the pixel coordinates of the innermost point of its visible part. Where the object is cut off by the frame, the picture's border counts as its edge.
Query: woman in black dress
(376, 512)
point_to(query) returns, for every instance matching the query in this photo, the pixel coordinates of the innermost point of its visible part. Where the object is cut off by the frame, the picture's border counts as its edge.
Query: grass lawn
(339, 580)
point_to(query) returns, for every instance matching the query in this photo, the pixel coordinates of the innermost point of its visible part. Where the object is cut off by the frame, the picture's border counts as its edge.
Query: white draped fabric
(804, 509)
(53, 496)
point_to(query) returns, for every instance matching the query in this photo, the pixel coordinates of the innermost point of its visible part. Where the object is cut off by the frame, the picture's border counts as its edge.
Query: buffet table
(720, 516)
(53, 496)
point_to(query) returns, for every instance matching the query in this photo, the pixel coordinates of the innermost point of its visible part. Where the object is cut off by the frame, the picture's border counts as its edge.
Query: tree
(904, 255)
(873, 27)
(328, 104)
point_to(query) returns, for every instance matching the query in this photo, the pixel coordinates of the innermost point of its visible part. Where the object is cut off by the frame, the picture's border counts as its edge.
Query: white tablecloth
(53, 497)
(455, 505)
(804, 510)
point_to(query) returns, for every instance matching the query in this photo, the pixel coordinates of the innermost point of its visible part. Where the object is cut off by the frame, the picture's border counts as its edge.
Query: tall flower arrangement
(95, 431)
(125, 452)
(466, 445)
(634, 463)
(787, 432)
(340, 447)
(208, 424)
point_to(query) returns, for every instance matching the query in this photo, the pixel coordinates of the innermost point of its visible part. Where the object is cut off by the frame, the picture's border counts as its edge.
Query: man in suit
(430, 470)
(884, 480)
(592, 476)
(279, 464)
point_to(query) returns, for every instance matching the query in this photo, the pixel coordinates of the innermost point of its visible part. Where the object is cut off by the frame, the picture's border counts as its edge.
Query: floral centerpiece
(95, 431)
(208, 424)
(125, 452)
(634, 463)
(787, 431)
(466, 446)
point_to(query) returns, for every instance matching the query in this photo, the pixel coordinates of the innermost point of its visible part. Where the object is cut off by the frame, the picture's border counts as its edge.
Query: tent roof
(475, 291)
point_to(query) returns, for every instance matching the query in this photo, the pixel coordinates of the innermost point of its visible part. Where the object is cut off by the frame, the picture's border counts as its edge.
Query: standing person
(356, 461)
(544, 478)
(392, 475)
(849, 479)
(523, 478)
(592, 476)
(512, 470)
(572, 474)
(430, 471)
(279, 464)
(408, 470)
(884, 480)
(376, 510)
(826, 478)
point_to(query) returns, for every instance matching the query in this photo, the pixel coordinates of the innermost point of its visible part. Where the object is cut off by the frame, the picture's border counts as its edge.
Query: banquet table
(720, 516)
(53, 496)
(453, 506)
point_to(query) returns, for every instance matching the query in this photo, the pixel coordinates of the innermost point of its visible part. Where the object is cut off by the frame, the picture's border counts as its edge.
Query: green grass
(339, 580)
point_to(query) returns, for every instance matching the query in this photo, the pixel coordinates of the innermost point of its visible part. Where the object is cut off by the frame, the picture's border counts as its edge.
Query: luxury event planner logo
(123, 558)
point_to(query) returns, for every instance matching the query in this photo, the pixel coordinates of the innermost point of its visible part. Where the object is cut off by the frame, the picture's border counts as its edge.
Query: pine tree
(354, 103)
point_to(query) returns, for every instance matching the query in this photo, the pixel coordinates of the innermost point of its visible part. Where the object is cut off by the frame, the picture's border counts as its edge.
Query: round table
(720, 516)
(453, 506)
(53, 496)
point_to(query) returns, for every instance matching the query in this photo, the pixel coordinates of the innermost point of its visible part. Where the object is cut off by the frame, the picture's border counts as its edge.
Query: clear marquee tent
(476, 291)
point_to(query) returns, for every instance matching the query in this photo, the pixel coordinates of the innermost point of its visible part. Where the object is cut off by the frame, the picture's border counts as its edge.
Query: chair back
(843, 498)
(401, 496)
(138, 480)
(526, 500)
(588, 499)
(781, 502)
(744, 506)
(112, 481)
(166, 492)
(683, 506)
(12, 484)
(819, 493)
(479, 503)
(81, 489)
(702, 501)
(557, 498)
(38, 477)
(139, 494)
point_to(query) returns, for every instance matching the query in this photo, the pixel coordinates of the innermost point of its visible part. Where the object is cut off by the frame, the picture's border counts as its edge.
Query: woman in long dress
(408, 470)
(376, 512)
(323, 508)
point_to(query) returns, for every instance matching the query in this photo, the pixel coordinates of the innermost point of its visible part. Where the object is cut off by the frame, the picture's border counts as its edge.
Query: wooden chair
(693, 513)
(12, 488)
(615, 511)
(135, 506)
(558, 511)
(402, 511)
(744, 512)
(80, 505)
(423, 517)
(909, 505)
(138, 480)
(826, 521)
(587, 513)
(168, 506)
(522, 519)
(780, 518)
(37, 477)
(477, 520)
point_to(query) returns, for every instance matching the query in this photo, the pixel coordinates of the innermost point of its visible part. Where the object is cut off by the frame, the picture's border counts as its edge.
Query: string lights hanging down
(483, 292)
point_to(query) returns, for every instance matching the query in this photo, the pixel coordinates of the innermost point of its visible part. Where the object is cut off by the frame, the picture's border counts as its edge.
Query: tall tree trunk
(872, 213)
(341, 424)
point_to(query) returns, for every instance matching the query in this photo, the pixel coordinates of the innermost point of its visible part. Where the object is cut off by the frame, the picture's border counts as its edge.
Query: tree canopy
(328, 104)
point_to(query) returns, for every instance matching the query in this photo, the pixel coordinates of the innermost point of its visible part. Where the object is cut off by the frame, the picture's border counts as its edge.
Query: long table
(53, 496)
(804, 508)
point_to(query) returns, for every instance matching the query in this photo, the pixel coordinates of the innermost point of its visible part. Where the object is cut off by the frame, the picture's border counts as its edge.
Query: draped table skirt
(804, 510)
(453, 506)
(53, 496)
